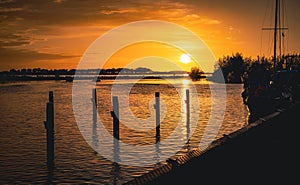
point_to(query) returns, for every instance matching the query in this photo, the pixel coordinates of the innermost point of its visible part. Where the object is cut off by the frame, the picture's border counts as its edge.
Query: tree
(195, 73)
(233, 67)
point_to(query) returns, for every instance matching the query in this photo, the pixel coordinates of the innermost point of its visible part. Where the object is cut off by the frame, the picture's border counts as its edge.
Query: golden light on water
(185, 82)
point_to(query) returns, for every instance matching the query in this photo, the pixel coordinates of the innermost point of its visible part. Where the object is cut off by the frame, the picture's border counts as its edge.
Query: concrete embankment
(264, 152)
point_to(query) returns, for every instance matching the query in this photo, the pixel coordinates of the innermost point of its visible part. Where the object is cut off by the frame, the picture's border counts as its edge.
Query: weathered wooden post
(187, 102)
(116, 128)
(49, 125)
(51, 99)
(94, 101)
(115, 115)
(157, 111)
(94, 106)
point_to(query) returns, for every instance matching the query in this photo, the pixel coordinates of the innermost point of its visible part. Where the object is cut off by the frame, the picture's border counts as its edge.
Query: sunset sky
(54, 34)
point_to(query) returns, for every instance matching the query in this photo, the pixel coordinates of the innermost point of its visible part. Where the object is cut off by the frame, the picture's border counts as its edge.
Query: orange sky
(151, 55)
(55, 33)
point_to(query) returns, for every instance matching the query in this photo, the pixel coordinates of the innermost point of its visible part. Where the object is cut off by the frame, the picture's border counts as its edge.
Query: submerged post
(49, 125)
(157, 110)
(187, 102)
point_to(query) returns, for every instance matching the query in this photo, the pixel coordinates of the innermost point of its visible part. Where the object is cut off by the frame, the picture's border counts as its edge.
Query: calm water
(23, 136)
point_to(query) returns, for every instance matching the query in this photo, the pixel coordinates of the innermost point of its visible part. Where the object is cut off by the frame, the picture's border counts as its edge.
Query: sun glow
(185, 58)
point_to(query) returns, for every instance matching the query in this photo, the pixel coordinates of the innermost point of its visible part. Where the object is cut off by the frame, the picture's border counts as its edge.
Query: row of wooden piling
(49, 123)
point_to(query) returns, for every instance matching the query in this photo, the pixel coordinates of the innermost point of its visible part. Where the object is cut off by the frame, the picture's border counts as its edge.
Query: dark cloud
(9, 39)
(21, 57)
(47, 12)
(37, 18)
(74, 12)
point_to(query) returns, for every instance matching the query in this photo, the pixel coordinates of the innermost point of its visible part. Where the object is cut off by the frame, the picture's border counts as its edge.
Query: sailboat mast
(275, 34)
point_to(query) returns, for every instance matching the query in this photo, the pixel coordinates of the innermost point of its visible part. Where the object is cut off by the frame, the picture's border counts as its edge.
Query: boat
(265, 91)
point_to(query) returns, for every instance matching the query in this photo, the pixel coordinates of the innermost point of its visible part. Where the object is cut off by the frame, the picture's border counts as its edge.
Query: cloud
(8, 39)
(6, 1)
(3, 10)
(43, 16)
(208, 21)
(118, 11)
(58, 1)
(23, 56)
(196, 16)
(202, 19)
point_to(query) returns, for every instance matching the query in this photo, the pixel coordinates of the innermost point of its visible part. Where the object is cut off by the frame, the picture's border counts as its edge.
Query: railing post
(49, 125)
(157, 111)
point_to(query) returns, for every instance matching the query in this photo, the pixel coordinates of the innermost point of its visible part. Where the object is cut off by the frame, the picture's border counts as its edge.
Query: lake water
(23, 135)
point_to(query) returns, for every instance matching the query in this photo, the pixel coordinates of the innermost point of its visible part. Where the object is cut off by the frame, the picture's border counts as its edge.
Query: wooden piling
(95, 113)
(51, 99)
(94, 96)
(187, 101)
(49, 125)
(157, 111)
(115, 115)
(116, 128)
(188, 111)
(94, 101)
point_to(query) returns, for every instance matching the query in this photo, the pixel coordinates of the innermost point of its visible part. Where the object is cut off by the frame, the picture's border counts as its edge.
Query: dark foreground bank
(264, 152)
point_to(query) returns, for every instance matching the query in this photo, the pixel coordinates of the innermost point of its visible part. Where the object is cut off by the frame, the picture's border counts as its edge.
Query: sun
(185, 58)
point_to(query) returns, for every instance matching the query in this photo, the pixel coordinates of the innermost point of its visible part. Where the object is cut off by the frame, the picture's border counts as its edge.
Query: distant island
(38, 74)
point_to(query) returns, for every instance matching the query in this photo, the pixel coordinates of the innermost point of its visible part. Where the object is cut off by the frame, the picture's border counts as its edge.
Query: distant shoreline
(108, 77)
(89, 77)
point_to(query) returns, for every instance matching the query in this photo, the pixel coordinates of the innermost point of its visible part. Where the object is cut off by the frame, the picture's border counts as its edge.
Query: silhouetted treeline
(234, 67)
(65, 74)
(39, 71)
(110, 71)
